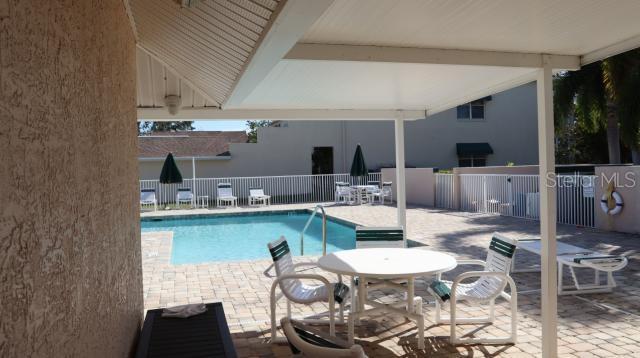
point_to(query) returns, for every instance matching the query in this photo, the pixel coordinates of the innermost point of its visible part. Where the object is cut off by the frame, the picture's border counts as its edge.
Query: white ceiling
(373, 85)
(570, 27)
(213, 47)
(208, 44)
(156, 81)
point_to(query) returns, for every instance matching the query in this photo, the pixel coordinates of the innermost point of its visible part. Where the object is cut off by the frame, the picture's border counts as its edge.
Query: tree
(582, 94)
(622, 80)
(252, 132)
(153, 127)
(603, 95)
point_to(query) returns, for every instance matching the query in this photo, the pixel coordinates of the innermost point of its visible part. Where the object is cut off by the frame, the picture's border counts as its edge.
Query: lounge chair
(148, 197)
(490, 284)
(344, 194)
(185, 195)
(294, 290)
(385, 192)
(577, 257)
(257, 197)
(225, 195)
(306, 341)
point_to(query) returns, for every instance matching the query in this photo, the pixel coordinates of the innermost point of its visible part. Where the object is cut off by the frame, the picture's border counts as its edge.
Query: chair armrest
(303, 264)
(466, 275)
(303, 276)
(472, 262)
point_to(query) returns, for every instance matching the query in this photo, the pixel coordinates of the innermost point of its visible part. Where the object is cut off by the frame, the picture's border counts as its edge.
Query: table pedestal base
(410, 308)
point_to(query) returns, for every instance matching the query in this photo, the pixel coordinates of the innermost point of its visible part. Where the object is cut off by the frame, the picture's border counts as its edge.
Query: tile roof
(188, 143)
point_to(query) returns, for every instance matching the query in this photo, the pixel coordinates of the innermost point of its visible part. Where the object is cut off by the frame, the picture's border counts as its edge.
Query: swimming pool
(245, 237)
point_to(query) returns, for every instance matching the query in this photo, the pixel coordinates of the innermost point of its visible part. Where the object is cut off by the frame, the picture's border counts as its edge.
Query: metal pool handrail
(324, 229)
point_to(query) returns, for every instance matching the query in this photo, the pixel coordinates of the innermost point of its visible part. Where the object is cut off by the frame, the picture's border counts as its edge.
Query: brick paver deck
(596, 325)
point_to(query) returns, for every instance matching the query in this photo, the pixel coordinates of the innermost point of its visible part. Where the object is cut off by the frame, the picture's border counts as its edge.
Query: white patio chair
(384, 192)
(185, 196)
(225, 195)
(257, 197)
(344, 194)
(306, 341)
(490, 284)
(385, 237)
(380, 237)
(294, 290)
(373, 186)
(148, 197)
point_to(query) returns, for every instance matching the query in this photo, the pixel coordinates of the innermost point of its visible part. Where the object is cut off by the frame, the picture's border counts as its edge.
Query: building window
(472, 161)
(472, 111)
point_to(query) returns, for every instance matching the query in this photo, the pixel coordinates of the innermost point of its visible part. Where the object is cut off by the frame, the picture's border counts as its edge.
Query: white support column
(401, 195)
(546, 155)
(193, 171)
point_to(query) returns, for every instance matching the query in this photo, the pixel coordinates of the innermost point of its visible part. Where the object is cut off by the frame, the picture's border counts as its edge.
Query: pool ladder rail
(324, 229)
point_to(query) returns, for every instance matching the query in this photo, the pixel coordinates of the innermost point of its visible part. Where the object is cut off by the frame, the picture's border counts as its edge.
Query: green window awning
(471, 149)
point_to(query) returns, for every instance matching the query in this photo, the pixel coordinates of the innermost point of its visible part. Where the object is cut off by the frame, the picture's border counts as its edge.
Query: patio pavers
(596, 325)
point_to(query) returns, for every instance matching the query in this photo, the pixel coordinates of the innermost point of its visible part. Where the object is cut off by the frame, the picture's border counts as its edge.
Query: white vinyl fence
(519, 196)
(445, 191)
(286, 189)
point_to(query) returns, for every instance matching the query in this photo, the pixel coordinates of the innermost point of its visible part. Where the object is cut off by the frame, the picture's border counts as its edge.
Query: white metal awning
(376, 56)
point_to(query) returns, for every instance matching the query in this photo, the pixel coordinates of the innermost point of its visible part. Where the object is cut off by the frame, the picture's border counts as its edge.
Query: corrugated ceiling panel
(208, 44)
(155, 81)
(537, 26)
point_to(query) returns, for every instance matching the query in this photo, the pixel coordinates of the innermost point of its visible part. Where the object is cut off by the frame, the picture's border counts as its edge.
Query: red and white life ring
(605, 206)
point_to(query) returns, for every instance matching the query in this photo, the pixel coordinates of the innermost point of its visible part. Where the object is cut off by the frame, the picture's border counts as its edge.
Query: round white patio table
(383, 266)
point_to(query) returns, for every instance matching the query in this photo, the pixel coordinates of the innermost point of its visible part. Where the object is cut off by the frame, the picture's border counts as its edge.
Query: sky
(220, 125)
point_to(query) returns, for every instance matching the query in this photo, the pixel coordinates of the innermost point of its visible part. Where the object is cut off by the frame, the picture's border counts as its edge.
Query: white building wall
(509, 127)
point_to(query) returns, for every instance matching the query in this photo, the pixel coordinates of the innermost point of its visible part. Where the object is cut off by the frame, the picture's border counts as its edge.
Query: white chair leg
(288, 309)
(274, 327)
(452, 316)
(332, 315)
(492, 307)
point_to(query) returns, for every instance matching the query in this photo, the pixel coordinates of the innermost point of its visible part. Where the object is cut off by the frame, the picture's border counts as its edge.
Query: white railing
(519, 196)
(445, 191)
(286, 189)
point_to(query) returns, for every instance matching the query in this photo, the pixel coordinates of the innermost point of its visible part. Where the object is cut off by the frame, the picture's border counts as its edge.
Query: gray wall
(510, 127)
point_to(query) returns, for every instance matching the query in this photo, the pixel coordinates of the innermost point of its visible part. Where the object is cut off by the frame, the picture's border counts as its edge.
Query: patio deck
(597, 325)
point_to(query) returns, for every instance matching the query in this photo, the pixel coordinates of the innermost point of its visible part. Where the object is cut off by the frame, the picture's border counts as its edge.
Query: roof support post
(401, 194)
(548, 219)
(193, 171)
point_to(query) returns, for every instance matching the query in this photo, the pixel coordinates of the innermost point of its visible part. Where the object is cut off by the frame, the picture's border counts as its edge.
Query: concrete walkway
(597, 325)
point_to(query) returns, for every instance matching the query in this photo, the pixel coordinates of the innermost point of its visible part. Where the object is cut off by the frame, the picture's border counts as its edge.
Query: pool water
(245, 237)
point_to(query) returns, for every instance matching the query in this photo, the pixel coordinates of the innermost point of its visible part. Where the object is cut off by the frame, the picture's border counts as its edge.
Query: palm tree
(583, 94)
(604, 94)
(621, 76)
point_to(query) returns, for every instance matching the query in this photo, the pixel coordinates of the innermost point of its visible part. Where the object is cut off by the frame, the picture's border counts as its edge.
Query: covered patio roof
(383, 59)
(367, 55)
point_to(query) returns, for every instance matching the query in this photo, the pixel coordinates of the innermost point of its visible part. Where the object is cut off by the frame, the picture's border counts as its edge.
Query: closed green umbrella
(170, 173)
(359, 167)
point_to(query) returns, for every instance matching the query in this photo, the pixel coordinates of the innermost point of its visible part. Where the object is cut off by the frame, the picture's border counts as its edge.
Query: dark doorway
(322, 160)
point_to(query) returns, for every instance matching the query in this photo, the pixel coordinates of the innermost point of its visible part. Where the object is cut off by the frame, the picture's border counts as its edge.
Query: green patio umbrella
(359, 167)
(170, 173)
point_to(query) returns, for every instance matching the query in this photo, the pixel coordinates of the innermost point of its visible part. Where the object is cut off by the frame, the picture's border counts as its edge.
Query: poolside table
(386, 266)
(361, 190)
